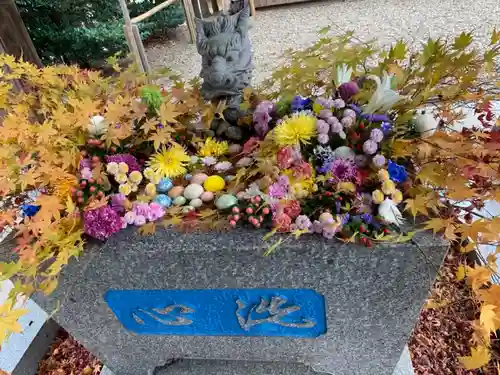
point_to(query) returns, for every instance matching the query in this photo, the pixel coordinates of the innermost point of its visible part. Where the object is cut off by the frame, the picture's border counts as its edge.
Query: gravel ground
(278, 28)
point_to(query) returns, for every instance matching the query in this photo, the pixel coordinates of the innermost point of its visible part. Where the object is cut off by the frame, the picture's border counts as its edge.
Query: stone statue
(222, 41)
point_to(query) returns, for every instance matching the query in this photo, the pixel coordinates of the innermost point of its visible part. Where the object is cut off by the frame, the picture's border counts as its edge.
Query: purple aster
(325, 114)
(336, 126)
(370, 147)
(376, 135)
(322, 127)
(102, 222)
(343, 170)
(379, 160)
(128, 159)
(349, 113)
(323, 138)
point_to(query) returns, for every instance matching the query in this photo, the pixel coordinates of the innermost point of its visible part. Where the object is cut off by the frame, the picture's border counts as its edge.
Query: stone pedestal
(372, 297)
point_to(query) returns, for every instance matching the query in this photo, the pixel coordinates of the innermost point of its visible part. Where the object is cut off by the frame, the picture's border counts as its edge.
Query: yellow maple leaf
(147, 229)
(488, 317)
(480, 356)
(9, 317)
(460, 272)
(438, 224)
(477, 276)
(168, 113)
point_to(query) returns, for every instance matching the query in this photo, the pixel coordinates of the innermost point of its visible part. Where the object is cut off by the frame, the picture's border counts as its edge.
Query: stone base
(373, 296)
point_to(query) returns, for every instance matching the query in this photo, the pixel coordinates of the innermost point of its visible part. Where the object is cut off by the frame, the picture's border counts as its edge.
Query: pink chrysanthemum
(102, 222)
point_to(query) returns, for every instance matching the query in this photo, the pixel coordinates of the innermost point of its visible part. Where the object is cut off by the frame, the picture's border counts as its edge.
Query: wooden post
(14, 38)
(129, 35)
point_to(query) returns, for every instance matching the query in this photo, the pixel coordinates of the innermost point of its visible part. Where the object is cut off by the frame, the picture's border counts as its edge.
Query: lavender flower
(117, 202)
(338, 104)
(376, 135)
(323, 138)
(370, 147)
(325, 114)
(378, 160)
(102, 222)
(128, 159)
(322, 127)
(325, 103)
(262, 117)
(277, 190)
(336, 126)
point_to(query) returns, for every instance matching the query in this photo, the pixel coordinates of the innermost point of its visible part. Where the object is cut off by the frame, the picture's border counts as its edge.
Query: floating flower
(128, 159)
(169, 162)
(349, 113)
(150, 189)
(325, 114)
(389, 212)
(383, 175)
(129, 217)
(277, 190)
(101, 222)
(123, 167)
(121, 178)
(208, 161)
(299, 128)
(325, 103)
(388, 187)
(302, 170)
(384, 97)
(140, 220)
(284, 157)
(376, 135)
(118, 202)
(377, 196)
(262, 117)
(370, 147)
(135, 177)
(112, 168)
(397, 172)
(223, 166)
(97, 125)
(149, 173)
(125, 189)
(379, 160)
(343, 170)
(211, 147)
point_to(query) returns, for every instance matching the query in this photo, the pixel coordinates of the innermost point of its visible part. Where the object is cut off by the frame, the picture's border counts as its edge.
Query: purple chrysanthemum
(379, 160)
(322, 127)
(343, 170)
(277, 190)
(347, 121)
(325, 103)
(128, 159)
(323, 138)
(370, 147)
(85, 163)
(303, 222)
(102, 222)
(338, 104)
(117, 202)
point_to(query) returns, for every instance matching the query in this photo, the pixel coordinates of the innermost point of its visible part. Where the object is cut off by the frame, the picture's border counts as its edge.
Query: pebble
(228, 178)
(176, 191)
(193, 191)
(199, 178)
(163, 200)
(235, 148)
(226, 201)
(164, 185)
(179, 201)
(345, 152)
(324, 217)
(207, 196)
(196, 203)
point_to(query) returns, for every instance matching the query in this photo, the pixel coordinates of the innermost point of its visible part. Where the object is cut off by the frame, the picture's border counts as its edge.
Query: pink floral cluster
(141, 213)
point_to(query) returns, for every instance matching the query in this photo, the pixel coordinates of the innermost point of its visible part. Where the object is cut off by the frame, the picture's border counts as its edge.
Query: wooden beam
(152, 11)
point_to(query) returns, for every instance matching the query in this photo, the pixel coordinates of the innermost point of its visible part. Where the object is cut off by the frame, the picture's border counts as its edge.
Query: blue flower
(367, 218)
(397, 173)
(386, 127)
(299, 103)
(29, 210)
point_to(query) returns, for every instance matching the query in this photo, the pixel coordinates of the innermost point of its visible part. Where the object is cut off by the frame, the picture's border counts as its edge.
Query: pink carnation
(282, 222)
(285, 157)
(302, 170)
(292, 208)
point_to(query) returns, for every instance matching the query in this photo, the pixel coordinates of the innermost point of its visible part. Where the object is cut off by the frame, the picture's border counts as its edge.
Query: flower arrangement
(340, 153)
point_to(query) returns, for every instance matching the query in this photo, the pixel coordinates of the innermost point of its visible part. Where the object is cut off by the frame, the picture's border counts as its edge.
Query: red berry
(100, 194)
(261, 219)
(236, 210)
(80, 200)
(73, 190)
(339, 198)
(265, 211)
(249, 210)
(361, 126)
(79, 193)
(386, 230)
(93, 189)
(113, 149)
(257, 199)
(236, 217)
(328, 193)
(92, 181)
(362, 229)
(232, 223)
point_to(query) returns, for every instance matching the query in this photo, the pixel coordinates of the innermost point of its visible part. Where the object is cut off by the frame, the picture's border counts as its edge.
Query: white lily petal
(388, 210)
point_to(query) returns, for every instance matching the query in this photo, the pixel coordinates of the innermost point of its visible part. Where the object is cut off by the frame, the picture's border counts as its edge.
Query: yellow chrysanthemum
(397, 196)
(149, 173)
(383, 175)
(135, 177)
(346, 187)
(299, 128)
(169, 162)
(388, 187)
(125, 189)
(211, 147)
(377, 196)
(150, 189)
(63, 185)
(121, 178)
(122, 167)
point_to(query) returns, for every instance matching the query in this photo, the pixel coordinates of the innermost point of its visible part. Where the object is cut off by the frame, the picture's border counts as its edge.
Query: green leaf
(398, 51)
(462, 41)
(324, 30)
(317, 108)
(273, 247)
(495, 36)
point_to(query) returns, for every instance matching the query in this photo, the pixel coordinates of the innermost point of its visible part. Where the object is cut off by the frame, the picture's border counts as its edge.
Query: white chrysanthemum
(388, 210)
(97, 125)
